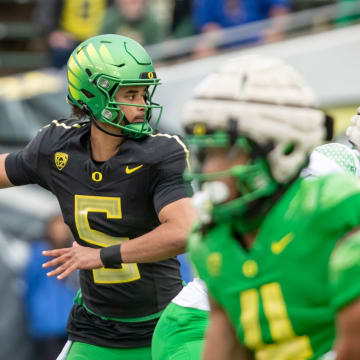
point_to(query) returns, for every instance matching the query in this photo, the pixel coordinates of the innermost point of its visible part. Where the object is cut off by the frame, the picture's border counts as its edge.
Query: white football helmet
(266, 102)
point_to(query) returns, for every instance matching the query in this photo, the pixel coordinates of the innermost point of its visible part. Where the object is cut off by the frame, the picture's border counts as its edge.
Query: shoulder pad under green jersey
(332, 158)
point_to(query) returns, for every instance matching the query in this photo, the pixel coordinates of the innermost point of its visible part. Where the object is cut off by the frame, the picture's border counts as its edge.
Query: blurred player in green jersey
(280, 254)
(180, 332)
(120, 188)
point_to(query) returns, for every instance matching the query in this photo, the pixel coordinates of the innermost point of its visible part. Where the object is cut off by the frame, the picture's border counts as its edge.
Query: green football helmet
(98, 67)
(262, 106)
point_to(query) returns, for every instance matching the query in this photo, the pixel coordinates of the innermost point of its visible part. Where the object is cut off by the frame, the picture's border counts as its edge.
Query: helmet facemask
(253, 179)
(112, 113)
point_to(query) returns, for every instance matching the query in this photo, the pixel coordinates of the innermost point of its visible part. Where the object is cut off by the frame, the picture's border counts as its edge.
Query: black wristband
(111, 256)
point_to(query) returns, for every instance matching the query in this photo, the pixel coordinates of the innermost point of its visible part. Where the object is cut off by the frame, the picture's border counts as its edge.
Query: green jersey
(282, 294)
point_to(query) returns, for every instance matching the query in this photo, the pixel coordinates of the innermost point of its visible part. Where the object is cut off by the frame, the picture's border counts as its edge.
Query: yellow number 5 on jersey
(112, 207)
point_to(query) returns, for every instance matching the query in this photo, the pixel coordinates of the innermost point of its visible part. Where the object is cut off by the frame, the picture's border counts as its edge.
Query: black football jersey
(106, 203)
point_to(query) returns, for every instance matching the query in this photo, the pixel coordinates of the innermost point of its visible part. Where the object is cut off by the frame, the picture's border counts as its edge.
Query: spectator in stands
(182, 24)
(66, 23)
(348, 12)
(47, 300)
(211, 16)
(134, 19)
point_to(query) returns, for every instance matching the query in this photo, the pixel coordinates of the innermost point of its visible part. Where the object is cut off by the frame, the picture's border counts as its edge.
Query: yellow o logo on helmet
(199, 129)
(150, 75)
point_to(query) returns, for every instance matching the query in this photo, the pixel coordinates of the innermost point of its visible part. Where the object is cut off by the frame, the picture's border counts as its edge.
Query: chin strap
(88, 112)
(93, 120)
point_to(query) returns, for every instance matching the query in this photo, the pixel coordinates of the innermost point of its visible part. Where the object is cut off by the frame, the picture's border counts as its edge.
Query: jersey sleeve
(335, 204)
(344, 270)
(30, 165)
(167, 177)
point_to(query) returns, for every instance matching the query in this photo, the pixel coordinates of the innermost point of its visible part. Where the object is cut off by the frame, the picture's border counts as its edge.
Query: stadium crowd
(58, 26)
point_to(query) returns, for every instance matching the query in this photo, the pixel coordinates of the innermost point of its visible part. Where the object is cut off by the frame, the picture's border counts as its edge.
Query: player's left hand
(67, 260)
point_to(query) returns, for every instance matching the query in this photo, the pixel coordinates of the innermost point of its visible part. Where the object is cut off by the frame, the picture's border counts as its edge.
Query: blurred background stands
(48, 301)
(35, 34)
(19, 48)
(63, 24)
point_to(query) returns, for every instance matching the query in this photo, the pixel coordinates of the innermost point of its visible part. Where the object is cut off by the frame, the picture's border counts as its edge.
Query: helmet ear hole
(289, 148)
(112, 90)
(88, 94)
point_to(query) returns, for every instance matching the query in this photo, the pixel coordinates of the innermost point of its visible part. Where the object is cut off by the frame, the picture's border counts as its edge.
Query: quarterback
(120, 188)
(279, 254)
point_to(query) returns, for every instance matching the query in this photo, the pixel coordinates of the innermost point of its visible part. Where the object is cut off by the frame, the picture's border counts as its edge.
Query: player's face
(221, 159)
(132, 95)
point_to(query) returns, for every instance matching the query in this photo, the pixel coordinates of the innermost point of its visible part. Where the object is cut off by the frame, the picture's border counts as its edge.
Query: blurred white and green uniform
(180, 332)
(333, 158)
(265, 289)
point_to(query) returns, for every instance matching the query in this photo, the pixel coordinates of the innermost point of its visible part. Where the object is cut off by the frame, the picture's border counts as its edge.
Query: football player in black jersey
(116, 179)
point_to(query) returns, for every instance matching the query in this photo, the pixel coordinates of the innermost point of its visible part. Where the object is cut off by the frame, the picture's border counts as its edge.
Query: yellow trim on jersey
(176, 137)
(67, 127)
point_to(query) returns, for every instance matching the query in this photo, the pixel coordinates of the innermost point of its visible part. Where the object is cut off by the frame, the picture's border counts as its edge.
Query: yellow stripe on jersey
(67, 127)
(176, 137)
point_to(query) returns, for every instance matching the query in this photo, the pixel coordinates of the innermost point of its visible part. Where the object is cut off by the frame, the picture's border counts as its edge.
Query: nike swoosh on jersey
(279, 246)
(130, 171)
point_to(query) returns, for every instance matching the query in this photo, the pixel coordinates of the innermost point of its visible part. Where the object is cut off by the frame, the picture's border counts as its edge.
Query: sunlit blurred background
(187, 39)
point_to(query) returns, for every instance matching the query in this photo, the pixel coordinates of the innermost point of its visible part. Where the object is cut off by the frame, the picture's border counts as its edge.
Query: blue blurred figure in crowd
(210, 16)
(47, 300)
(185, 268)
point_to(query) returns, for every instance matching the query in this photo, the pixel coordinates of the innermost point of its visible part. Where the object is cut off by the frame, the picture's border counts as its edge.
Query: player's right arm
(4, 180)
(345, 286)
(221, 341)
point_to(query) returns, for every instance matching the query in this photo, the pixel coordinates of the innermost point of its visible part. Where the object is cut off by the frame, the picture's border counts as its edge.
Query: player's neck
(249, 238)
(104, 146)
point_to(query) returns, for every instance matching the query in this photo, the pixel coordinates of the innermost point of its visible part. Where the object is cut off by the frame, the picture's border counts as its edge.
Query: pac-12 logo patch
(61, 160)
